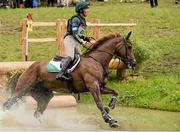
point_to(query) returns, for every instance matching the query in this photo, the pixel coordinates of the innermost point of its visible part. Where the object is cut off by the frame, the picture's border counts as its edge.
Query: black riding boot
(65, 65)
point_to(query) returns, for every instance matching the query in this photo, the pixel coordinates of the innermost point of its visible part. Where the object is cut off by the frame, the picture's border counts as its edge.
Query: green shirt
(76, 26)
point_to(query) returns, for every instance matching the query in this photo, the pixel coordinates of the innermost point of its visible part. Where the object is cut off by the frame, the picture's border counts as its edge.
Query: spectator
(50, 3)
(177, 1)
(153, 3)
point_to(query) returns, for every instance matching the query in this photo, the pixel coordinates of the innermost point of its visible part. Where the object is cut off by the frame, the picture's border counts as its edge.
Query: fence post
(130, 28)
(24, 40)
(61, 29)
(58, 38)
(95, 29)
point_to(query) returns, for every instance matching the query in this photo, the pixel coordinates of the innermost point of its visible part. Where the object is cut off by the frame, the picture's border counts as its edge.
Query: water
(86, 118)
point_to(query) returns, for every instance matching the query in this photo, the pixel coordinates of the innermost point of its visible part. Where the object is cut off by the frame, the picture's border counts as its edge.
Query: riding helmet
(81, 6)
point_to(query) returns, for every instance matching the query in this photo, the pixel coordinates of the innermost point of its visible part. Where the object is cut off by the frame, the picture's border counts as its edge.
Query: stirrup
(65, 78)
(58, 77)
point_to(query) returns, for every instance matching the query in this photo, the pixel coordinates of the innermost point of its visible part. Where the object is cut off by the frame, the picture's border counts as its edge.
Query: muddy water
(79, 118)
(85, 117)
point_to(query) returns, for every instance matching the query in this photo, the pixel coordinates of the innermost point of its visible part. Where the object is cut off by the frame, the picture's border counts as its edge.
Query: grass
(155, 38)
(155, 91)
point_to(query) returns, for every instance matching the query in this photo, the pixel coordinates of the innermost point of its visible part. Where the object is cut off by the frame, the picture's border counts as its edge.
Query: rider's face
(85, 12)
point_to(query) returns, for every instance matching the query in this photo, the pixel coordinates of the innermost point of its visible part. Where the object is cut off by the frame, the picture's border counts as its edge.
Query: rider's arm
(77, 30)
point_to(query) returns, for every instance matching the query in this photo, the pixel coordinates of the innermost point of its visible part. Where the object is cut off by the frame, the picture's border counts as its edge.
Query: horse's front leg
(106, 90)
(95, 91)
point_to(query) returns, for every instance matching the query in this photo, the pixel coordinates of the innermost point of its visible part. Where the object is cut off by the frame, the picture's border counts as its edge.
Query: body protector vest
(76, 27)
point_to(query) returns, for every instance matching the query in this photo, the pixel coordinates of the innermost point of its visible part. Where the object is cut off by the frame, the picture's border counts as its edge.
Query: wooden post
(120, 73)
(61, 29)
(130, 28)
(96, 29)
(24, 40)
(58, 39)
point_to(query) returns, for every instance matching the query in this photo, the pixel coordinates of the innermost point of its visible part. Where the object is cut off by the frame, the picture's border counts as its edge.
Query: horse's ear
(128, 36)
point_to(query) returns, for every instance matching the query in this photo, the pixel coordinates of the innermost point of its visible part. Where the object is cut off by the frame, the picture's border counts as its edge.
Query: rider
(74, 36)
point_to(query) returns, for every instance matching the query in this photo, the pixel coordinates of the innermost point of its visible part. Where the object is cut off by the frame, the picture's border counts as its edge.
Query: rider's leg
(69, 45)
(64, 67)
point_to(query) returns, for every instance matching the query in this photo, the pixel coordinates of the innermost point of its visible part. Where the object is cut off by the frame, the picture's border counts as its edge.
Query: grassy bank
(155, 91)
(155, 38)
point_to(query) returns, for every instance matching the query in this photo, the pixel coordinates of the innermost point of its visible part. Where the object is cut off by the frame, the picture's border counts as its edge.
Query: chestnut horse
(89, 76)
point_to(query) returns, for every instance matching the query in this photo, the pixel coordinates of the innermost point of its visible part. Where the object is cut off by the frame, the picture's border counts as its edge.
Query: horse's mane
(103, 39)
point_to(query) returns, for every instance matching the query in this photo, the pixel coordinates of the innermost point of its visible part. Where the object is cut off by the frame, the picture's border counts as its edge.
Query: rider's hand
(87, 39)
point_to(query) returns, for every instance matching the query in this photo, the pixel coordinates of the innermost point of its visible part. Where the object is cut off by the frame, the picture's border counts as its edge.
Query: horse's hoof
(113, 123)
(107, 109)
(39, 119)
(37, 115)
(6, 106)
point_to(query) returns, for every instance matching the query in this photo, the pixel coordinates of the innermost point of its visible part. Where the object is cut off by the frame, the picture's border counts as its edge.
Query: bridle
(125, 59)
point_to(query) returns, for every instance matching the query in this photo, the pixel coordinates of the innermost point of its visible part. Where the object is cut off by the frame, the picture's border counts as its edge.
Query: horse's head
(125, 51)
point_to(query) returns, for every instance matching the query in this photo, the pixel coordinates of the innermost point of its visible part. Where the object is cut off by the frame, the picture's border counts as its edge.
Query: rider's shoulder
(75, 19)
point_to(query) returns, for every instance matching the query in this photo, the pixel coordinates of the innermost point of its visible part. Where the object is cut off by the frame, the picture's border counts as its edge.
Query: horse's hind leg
(42, 95)
(10, 102)
(25, 82)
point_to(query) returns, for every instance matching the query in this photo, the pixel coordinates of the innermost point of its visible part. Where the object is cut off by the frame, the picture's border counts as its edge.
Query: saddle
(55, 64)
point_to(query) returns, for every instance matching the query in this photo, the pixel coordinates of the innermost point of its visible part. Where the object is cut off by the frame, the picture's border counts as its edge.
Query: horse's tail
(13, 81)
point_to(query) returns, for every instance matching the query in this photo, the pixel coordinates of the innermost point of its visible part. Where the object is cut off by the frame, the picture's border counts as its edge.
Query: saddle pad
(53, 66)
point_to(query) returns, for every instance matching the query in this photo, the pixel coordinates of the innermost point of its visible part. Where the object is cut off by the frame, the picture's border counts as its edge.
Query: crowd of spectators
(58, 3)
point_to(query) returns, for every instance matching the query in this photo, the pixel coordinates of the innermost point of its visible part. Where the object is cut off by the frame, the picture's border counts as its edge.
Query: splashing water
(83, 118)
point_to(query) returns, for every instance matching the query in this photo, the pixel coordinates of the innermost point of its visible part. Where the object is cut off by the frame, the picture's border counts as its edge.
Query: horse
(90, 75)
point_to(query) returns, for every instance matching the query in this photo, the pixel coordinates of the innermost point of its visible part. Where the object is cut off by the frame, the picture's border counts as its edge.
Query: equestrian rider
(74, 36)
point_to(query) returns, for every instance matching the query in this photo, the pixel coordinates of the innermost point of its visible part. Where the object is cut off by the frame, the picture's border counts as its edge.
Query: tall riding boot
(65, 65)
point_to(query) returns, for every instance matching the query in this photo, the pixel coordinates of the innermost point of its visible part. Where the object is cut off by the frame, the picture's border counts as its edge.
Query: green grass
(155, 91)
(155, 38)
(157, 30)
